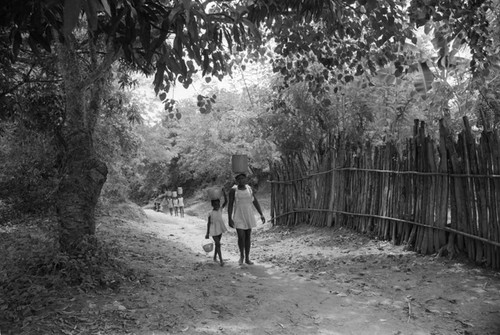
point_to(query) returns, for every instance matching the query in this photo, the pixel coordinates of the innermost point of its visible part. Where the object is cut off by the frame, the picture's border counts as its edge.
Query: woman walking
(241, 216)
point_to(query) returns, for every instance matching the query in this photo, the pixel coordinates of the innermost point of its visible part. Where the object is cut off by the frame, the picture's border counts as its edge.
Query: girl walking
(216, 227)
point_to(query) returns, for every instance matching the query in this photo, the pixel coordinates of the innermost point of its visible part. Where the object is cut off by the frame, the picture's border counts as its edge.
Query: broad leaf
(424, 81)
(71, 13)
(106, 7)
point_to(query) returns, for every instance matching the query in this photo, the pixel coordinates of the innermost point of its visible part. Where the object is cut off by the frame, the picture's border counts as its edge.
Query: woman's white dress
(243, 213)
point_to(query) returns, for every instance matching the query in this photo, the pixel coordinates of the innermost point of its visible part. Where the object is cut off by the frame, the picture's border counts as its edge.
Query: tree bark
(82, 173)
(79, 189)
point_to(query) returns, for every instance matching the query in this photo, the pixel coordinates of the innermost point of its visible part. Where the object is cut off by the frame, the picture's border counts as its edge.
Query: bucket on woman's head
(209, 246)
(169, 193)
(239, 163)
(174, 194)
(214, 193)
(179, 190)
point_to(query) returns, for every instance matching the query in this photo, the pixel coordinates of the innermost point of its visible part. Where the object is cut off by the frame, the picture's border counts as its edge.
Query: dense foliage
(194, 151)
(369, 81)
(354, 68)
(370, 91)
(84, 38)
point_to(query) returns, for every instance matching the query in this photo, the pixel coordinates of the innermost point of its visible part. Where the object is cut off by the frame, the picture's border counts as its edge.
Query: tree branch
(101, 70)
(21, 83)
(12, 89)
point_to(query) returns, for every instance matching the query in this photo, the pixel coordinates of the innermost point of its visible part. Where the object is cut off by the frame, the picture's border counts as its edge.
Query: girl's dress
(217, 225)
(244, 217)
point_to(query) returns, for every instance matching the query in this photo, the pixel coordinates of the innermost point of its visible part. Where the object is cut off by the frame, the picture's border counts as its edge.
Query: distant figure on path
(176, 205)
(157, 201)
(180, 204)
(216, 227)
(170, 204)
(241, 215)
(164, 202)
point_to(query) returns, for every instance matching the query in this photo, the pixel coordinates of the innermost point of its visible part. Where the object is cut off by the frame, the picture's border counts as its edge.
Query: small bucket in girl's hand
(207, 247)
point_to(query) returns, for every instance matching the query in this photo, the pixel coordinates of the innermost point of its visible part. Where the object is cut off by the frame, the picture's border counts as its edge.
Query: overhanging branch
(101, 70)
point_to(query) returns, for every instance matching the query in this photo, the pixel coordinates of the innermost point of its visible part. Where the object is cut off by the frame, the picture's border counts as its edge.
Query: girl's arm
(230, 208)
(208, 227)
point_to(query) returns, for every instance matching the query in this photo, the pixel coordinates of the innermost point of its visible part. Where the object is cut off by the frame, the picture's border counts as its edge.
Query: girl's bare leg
(218, 249)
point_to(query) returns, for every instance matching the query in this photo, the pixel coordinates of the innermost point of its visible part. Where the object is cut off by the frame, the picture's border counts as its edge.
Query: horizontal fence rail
(386, 171)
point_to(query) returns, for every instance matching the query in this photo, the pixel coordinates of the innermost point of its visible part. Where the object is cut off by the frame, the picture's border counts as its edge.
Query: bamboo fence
(434, 197)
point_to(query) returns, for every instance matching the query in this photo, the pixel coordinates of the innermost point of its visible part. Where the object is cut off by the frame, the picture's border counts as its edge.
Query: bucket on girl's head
(174, 194)
(214, 193)
(239, 163)
(169, 193)
(179, 190)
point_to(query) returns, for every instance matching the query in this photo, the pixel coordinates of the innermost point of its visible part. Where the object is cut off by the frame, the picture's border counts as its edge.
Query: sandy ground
(304, 281)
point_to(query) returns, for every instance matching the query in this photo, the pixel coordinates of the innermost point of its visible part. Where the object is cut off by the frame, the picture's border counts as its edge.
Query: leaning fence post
(331, 201)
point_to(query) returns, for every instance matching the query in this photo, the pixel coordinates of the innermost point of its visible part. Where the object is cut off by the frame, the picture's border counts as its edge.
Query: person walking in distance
(180, 204)
(176, 205)
(242, 202)
(170, 203)
(164, 202)
(157, 201)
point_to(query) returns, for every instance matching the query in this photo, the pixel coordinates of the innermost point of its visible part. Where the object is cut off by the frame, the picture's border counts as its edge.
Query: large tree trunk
(82, 173)
(79, 190)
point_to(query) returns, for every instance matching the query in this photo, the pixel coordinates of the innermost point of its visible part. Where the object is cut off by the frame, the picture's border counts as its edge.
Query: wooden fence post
(331, 201)
(433, 196)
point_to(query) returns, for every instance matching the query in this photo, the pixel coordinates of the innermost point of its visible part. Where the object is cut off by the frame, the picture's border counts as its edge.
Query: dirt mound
(128, 211)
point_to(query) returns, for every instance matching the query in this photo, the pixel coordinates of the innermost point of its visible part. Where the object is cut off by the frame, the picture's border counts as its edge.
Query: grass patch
(35, 275)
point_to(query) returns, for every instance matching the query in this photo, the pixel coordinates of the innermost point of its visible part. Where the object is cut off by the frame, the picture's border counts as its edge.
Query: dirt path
(305, 281)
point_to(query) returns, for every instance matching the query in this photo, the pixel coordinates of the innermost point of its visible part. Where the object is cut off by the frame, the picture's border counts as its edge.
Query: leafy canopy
(169, 38)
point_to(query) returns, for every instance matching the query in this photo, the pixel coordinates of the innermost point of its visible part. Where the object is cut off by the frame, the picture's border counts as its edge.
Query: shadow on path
(266, 298)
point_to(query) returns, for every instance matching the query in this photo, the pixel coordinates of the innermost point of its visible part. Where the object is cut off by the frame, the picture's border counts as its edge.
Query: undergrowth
(34, 273)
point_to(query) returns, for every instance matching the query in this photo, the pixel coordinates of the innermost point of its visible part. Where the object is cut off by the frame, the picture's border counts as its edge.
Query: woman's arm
(208, 227)
(230, 208)
(225, 198)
